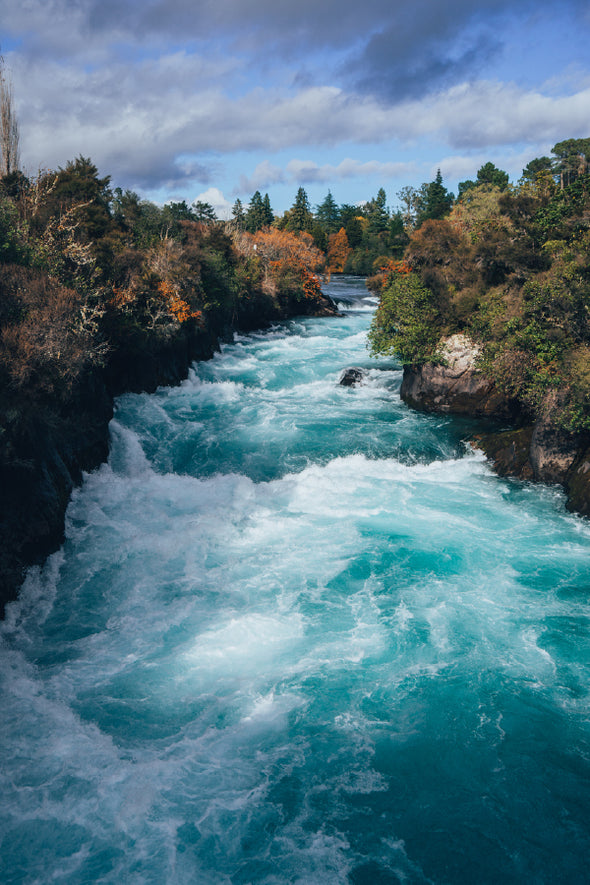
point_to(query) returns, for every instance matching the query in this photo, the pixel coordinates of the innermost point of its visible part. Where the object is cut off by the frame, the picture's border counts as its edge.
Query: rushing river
(299, 634)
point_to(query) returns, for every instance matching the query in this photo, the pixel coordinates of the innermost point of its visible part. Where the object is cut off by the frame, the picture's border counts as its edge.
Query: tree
(204, 212)
(9, 132)
(328, 214)
(537, 167)
(268, 213)
(338, 251)
(256, 215)
(437, 200)
(398, 238)
(406, 321)
(411, 199)
(179, 211)
(572, 158)
(465, 186)
(490, 174)
(377, 214)
(238, 214)
(300, 217)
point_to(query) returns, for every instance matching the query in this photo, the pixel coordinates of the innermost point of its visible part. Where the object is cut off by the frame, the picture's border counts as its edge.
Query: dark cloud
(395, 77)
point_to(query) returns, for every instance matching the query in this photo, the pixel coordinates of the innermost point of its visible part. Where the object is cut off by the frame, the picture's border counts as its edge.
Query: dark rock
(553, 450)
(352, 377)
(456, 386)
(577, 484)
(509, 451)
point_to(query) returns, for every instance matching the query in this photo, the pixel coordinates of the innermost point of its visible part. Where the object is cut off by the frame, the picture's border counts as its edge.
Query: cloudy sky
(214, 99)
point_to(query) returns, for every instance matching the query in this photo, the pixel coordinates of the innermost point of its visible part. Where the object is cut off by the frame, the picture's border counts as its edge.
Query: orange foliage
(284, 254)
(176, 305)
(338, 251)
(389, 268)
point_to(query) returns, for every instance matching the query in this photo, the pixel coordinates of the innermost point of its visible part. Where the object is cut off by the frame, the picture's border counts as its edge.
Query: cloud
(215, 198)
(142, 125)
(160, 93)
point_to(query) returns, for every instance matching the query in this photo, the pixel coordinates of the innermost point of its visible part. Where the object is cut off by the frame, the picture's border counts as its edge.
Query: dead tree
(9, 134)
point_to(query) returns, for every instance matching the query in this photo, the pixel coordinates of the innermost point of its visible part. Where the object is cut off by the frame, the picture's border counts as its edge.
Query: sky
(214, 99)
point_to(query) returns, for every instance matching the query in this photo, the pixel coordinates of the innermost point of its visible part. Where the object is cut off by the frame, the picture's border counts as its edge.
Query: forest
(508, 266)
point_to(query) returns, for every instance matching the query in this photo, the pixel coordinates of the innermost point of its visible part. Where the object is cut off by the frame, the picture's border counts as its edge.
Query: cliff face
(454, 386)
(539, 451)
(45, 451)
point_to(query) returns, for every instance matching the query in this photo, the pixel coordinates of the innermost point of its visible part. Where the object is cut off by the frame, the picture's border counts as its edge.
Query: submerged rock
(352, 377)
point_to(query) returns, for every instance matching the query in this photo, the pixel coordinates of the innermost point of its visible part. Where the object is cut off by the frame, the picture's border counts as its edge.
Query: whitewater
(298, 633)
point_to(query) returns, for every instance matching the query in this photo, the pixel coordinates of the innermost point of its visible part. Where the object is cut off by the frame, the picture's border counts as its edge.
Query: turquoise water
(299, 634)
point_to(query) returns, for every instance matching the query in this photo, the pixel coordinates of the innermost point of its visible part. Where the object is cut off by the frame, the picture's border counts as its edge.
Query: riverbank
(525, 447)
(49, 445)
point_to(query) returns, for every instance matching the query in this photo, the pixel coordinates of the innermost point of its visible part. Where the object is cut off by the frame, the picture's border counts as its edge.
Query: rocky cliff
(534, 449)
(45, 450)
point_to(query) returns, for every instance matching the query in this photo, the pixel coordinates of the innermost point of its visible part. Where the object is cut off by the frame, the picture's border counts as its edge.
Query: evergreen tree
(300, 217)
(238, 214)
(437, 200)
(377, 214)
(268, 213)
(204, 212)
(490, 174)
(398, 238)
(537, 167)
(572, 159)
(328, 214)
(256, 214)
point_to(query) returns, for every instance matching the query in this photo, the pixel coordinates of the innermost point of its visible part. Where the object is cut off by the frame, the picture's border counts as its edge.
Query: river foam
(298, 633)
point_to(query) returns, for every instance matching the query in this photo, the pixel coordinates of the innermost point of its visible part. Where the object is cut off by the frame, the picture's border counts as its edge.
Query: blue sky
(214, 99)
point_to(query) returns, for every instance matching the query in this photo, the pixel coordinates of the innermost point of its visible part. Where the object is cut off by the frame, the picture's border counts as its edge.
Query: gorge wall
(45, 451)
(527, 448)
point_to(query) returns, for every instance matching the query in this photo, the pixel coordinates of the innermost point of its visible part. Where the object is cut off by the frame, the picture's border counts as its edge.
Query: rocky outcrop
(454, 385)
(352, 377)
(539, 451)
(42, 461)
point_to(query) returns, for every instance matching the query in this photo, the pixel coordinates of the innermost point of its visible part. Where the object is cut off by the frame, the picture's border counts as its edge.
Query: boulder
(352, 377)
(455, 384)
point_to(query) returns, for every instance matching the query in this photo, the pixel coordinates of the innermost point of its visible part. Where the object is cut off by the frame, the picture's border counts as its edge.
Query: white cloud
(215, 198)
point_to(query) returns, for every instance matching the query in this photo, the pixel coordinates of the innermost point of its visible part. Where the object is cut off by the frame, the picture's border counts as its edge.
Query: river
(299, 633)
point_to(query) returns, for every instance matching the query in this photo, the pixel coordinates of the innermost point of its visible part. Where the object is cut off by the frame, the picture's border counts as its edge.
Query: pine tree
(328, 215)
(256, 214)
(438, 200)
(268, 213)
(238, 214)
(300, 217)
(377, 214)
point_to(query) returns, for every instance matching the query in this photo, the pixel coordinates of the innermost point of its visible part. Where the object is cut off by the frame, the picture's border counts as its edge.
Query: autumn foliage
(338, 251)
(289, 262)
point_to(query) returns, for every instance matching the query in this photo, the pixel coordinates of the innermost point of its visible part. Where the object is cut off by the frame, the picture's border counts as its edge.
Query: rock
(352, 377)
(541, 451)
(553, 450)
(577, 484)
(457, 387)
(509, 451)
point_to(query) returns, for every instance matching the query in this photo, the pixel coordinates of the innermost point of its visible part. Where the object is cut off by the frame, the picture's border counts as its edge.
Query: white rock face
(459, 352)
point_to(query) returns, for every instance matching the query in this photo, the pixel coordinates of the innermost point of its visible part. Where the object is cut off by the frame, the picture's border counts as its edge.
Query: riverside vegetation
(103, 292)
(506, 268)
